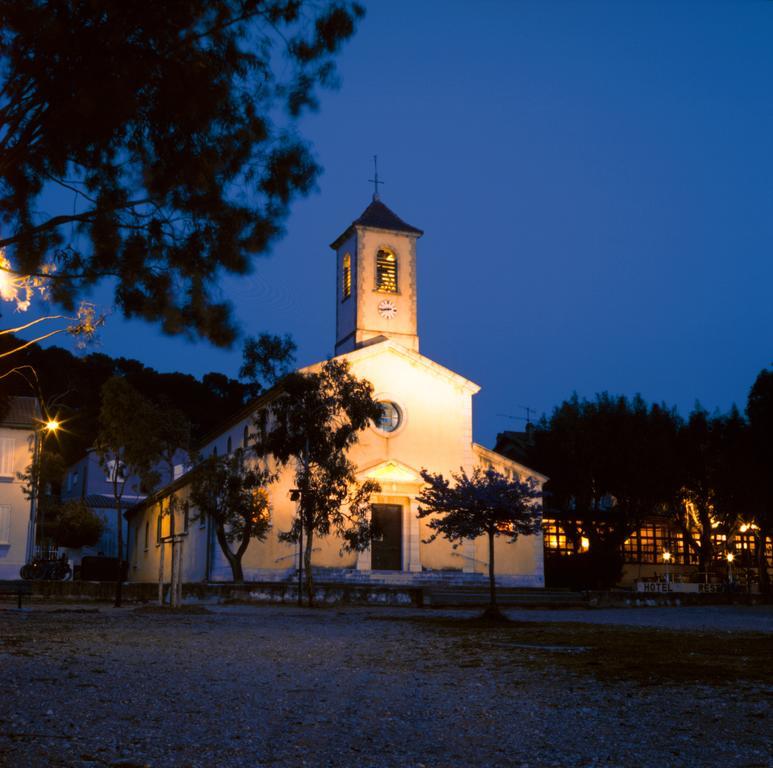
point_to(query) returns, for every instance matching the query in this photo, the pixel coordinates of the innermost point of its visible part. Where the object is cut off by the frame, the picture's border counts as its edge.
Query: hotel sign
(668, 587)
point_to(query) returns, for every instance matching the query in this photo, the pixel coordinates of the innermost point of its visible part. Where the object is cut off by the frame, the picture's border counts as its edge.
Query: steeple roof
(378, 216)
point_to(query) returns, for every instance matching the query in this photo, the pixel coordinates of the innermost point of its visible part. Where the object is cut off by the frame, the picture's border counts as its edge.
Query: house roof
(22, 413)
(378, 216)
(488, 454)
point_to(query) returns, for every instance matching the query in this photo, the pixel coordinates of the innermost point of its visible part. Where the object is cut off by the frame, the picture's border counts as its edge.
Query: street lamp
(667, 559)
(50, 427)
(730, 557)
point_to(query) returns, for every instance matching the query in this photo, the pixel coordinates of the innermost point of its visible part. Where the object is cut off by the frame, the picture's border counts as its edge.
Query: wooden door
(387, 541)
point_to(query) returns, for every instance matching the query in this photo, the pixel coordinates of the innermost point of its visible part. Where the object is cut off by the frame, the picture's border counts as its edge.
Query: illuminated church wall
(427, 424)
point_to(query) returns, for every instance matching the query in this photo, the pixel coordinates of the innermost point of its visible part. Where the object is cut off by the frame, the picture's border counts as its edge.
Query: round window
(391, 416)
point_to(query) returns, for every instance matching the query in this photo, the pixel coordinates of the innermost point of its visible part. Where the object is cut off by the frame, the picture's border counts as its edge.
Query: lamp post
(50, 427)
(667, 559)
(730, 557)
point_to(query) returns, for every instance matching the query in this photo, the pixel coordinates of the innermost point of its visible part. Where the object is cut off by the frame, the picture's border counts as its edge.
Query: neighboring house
(427, 423)
(19, 442)
(88, 480)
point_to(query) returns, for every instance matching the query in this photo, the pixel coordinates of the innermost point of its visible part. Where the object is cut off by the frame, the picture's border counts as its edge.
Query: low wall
(255, 592)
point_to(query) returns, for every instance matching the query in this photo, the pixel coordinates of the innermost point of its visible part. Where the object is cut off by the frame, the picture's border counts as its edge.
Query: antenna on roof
(375, 180)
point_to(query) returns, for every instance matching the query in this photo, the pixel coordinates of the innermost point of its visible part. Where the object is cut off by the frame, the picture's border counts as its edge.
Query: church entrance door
(387, 542)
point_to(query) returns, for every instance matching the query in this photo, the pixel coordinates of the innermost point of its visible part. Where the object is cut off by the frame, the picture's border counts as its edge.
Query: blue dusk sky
(595, 183)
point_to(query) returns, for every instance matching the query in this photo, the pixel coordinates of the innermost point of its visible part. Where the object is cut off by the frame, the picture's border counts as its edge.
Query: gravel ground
(279, 686)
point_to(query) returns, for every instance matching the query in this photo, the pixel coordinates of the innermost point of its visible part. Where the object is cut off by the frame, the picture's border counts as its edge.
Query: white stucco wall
(15, 522)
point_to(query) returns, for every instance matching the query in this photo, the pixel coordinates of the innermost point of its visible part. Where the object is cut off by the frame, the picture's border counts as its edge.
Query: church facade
(426, 423)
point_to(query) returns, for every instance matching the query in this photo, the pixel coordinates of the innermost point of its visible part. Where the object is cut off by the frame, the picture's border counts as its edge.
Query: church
(426, 423)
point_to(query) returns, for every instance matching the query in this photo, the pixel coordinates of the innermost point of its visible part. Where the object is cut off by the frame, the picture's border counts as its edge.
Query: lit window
(347, 276)
(386, 271)
(390, 417)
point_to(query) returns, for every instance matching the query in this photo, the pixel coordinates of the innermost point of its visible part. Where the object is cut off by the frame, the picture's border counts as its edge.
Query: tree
(126, 450)
(166, 132)
(76, 525)
(70, 385)
(232, 492)
(708, 499)
(611, 463)
(41, 484)
(265, 360)
(759, 410)
(485, 503)
(20, 290)
(314, 422)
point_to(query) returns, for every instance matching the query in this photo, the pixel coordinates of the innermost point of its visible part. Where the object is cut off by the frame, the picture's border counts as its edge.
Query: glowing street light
(52, 425)
(730, 557)
(667, 559)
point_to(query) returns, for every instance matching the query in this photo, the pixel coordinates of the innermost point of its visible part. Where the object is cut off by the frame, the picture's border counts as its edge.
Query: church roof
(378, 216)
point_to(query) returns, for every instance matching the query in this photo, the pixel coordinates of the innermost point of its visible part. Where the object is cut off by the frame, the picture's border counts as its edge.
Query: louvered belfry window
(386, 271)
(347, 282)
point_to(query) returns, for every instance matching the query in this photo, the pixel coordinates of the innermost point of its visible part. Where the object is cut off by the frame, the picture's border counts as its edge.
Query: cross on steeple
(375, 180)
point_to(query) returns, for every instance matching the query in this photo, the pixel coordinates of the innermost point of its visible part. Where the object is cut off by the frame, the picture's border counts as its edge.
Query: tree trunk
(491, 580)
(307, 565)
(236, 568)
(119, 572)
(706, 553)
(234, 560)
(762, 560)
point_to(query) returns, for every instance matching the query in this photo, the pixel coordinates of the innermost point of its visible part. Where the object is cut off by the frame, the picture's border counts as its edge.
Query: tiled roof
(103, 501)
(99, 501)
(378, 216)
(22, 413)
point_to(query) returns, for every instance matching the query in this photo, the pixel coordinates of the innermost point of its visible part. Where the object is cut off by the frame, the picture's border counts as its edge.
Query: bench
(18, 588)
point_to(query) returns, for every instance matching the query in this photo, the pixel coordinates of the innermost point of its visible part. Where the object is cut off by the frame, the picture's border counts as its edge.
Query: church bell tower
(376, 280)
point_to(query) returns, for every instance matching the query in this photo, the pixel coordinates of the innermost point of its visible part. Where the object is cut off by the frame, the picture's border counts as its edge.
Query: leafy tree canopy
(77, 525)
(168, 130)
(265, 360)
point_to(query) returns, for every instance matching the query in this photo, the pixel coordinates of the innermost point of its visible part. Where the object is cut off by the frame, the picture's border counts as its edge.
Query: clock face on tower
(387, 309)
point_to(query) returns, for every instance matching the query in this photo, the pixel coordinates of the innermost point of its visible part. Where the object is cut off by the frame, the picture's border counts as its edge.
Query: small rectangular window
(386, 271)
(186, 517)
(347, 276)
(159, 523)
(147, 535)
